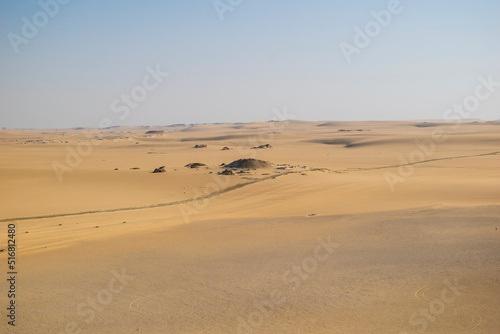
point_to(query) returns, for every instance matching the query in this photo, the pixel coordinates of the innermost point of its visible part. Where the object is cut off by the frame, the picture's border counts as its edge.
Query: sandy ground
(358, 227)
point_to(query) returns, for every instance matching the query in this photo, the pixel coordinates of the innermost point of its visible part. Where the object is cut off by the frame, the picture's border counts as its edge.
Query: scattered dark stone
(116, 168)
(97, 226)
(225, 148)
(222, 164)
(312, 215)
(200, 146)
(262, 146)
(248, 163)
(195, 165)
(124, 222)
(426, 125)
(135, 168)
(2, 250)
(154, 132)
(226, 172)
(60, 224)
(346, 130)
(160, 170)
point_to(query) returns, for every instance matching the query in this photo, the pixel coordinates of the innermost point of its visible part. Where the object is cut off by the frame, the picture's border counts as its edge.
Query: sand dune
(218, 138)
(384, 230)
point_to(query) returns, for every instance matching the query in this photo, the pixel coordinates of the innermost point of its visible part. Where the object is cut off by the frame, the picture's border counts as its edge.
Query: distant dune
(217, 138)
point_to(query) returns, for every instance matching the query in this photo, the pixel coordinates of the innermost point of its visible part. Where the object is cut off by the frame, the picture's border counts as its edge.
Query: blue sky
(263, 55)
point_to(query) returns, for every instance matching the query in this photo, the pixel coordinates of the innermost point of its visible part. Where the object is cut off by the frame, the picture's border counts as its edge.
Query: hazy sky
(83, 63)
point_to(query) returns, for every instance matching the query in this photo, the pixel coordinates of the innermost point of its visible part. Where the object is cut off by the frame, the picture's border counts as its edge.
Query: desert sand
(355, 227)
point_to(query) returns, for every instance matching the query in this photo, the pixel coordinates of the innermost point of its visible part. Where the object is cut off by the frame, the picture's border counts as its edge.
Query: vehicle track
(237, 186)
(151, 206)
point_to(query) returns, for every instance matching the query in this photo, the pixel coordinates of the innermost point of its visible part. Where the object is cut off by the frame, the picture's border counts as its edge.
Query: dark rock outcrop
(226, 172)
(248, 164)
(195, 165)
(160, 170)
(262, 147)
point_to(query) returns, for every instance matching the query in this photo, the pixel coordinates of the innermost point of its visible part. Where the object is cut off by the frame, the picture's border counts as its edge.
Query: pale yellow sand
(224, 263)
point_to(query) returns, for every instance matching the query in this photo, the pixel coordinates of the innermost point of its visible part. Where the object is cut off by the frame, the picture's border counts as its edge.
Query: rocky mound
(200, 146)
(248, 164)
(195, 165)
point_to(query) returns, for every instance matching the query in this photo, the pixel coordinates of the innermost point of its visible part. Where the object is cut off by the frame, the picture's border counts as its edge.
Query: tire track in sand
(152, 206)
(237, 186)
